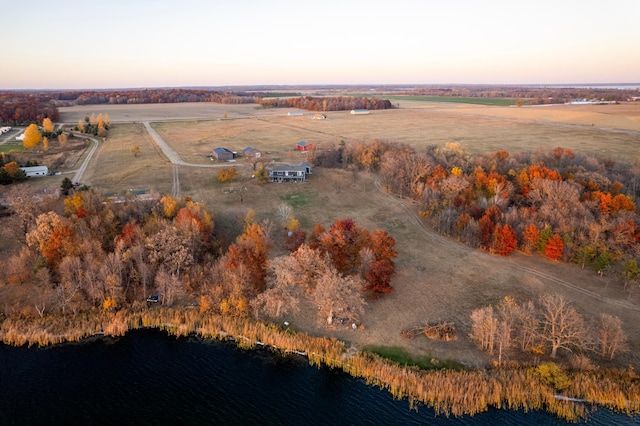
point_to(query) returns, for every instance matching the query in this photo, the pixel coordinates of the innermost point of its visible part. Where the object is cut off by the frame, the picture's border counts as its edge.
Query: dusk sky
(139, 43)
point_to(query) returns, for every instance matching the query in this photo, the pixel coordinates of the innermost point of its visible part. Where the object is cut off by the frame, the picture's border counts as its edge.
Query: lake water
(149, 378)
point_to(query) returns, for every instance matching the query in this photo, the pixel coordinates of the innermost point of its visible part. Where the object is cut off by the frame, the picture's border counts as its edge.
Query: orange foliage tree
(554, 247)
(504, 240)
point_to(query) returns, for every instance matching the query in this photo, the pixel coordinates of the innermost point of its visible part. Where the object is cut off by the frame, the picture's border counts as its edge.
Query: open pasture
(607, 130)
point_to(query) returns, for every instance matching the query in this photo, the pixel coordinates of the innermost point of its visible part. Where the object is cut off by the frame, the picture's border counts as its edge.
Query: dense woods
(86, 255)
(556, 203)
(327, 103)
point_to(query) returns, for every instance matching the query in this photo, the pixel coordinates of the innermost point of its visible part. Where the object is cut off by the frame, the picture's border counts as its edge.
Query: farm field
(437, 279)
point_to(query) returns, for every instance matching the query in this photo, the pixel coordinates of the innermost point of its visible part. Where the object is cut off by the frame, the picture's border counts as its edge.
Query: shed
(359, 111)
(251, 152)
(295, 113)
(318, 116)
(223, 154)
(305, 146)
(34, 171)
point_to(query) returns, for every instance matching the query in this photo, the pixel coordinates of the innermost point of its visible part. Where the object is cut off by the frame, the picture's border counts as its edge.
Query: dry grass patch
(115, 169)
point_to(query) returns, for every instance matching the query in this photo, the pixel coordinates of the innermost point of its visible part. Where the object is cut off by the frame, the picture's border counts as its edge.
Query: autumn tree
(611, 337)
(342, 242)
(381, 267)
(47, 125)
(554, 247)
(54, 237)
(135, 150)
(562, 327)
(227, 174)
(338, 298)
(504, 240)
(249, 253)
(32, 136)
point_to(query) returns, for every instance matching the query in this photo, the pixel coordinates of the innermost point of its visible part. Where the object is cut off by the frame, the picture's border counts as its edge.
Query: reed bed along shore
(448, 392)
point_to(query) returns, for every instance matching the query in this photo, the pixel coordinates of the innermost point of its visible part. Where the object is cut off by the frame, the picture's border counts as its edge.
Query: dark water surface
(149, 378)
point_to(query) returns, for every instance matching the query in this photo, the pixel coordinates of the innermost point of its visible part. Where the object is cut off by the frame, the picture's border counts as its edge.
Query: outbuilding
(223, 154)
(34, 171)
(359, 111)
(251, 152)
(305, 146)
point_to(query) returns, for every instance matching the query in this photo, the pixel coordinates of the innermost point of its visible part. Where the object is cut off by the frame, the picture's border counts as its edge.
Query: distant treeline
(153, 96)
(26, 108)
(335, 103)
(533, 95)
(22, 108)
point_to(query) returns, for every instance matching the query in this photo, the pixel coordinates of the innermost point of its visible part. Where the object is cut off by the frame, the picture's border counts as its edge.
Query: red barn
(305, 146)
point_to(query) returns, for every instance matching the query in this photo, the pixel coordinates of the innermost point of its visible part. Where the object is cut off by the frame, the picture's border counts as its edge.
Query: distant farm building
(295, 113)
(319, 117)
(35, 171)
(251, 152)
(296, 173)
(223, 154)
(359, 111)
(305, 146)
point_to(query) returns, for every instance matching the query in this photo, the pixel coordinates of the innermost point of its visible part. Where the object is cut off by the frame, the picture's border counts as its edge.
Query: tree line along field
(439, 278)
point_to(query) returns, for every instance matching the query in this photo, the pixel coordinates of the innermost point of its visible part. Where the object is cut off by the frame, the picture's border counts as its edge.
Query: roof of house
(291, 168)
(249, 148)
(220, 150)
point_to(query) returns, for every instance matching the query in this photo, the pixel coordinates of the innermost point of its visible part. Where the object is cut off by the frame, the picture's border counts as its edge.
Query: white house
(34, 171)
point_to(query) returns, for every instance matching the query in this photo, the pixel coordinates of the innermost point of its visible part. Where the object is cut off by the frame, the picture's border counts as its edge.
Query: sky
(161, 43)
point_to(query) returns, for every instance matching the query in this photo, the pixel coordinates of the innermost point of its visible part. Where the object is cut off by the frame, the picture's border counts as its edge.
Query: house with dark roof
(223, 154)
(296, 173)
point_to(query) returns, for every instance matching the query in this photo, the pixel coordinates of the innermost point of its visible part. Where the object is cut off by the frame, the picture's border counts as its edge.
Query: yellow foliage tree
(32, 136)
(12, 168)
(45, 143)
(169, 206)
(81, 126)
(109, 304)
(292, 224)
(47, 125)
(135, 150)
(62, 139)
(227, 174)
(73, 203)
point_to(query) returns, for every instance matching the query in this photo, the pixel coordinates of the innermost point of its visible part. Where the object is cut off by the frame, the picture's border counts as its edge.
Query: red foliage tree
(378, 275)
(295, 239)
(504, 240)
(342, 242)
(554, 247)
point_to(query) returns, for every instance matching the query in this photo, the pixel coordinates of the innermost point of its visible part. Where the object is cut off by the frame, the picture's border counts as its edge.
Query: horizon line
(330, 85)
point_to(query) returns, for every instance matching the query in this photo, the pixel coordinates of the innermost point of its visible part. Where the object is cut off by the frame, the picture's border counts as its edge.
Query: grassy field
(11, 146)
(437, 278)
(454, 99)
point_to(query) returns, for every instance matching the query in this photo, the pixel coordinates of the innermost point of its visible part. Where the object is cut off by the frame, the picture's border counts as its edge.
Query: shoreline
(448, 392)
